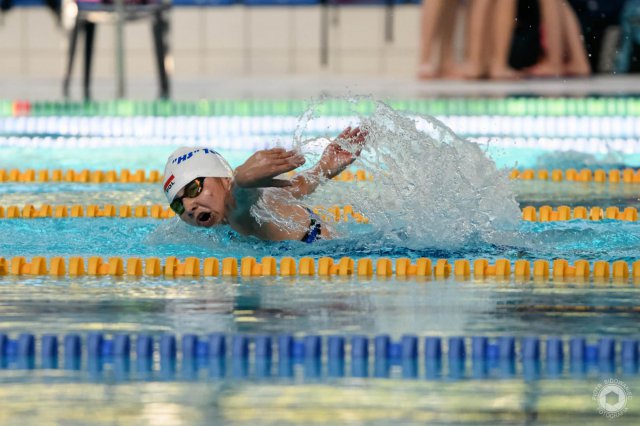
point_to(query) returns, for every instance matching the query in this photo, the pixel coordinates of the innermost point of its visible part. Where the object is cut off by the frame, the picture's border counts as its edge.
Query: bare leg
(504, 20)
(552, 63)
(578, 63)
(449, 67)
(432, 11)
(478, 14)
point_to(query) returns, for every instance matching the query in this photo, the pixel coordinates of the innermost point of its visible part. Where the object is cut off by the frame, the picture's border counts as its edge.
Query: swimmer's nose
(189, 205)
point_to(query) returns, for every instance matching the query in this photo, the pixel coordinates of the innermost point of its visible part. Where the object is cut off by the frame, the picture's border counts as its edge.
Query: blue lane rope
(331, 354)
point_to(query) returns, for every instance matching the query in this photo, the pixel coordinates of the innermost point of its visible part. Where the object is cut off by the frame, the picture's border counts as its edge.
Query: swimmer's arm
(260, 171)
(334, 160)
(305, 183)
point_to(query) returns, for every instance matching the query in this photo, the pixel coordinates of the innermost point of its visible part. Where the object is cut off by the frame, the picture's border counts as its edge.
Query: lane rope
(624, 176)
(335, 213)
(331, 353)
(564, 213)
(581, 129)
(618, 271)
(156, 211)
(124, 176)
(627, 175)
(512, 106)
(263, 140)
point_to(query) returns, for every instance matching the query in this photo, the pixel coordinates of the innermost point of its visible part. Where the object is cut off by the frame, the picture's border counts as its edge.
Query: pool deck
(305, 87)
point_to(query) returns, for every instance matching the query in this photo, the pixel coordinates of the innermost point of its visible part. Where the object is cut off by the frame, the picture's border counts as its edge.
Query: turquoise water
(303, 306)
(108, 237)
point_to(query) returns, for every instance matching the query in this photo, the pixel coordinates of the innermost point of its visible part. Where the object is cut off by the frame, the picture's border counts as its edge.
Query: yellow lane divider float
(154, 176)
(549, 214)
(582, 175)
(328, 214)
(124, 176)
(156, 211)
(558, 269)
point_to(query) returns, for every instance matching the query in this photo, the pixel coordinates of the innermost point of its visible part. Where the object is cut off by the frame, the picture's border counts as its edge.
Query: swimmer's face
(208, 207)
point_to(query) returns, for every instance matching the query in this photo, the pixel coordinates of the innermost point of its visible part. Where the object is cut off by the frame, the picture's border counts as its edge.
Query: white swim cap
(189, 162)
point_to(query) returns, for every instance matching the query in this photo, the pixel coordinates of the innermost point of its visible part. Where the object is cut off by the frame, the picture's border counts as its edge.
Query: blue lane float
(454, 357)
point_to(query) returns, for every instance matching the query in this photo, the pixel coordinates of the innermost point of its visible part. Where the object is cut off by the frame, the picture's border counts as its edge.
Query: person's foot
(452, 72)
(473, 73)
(545, 69)
(504, 73)
(428, 72)
(577, 69)
(470, 71)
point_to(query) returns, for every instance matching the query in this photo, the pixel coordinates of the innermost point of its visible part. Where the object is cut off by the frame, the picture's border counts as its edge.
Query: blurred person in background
(491, 26)
(505, 39)
(596, 17)
(437, 29)
(564, 53)
(489, 33)
(629, 47)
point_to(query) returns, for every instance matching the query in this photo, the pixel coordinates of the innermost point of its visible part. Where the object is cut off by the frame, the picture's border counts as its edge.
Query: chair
(93, 12)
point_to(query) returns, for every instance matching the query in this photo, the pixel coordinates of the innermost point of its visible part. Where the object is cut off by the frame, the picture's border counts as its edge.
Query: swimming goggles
(191, 190)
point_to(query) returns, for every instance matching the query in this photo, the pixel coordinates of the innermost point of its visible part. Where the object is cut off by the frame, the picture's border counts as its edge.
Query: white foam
(431, 188)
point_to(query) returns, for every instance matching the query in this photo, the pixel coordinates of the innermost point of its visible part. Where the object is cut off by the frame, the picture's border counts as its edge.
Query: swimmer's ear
(226, 183)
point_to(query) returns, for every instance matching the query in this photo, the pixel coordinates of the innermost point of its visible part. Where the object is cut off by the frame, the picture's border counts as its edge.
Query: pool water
(201, 391)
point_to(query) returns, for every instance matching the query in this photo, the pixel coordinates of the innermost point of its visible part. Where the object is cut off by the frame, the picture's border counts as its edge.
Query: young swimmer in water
(204, 191)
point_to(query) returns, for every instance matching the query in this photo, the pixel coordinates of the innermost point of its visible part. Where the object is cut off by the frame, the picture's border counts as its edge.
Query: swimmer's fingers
(275, 151)
(281, 157)
(353, 133)
(358, 135)
(280, 152)
(295, 161)
(349, 132)
(278, 167)
(345, 133)
(284, 163)
(262, 167)
(358, 141)
(276, 156)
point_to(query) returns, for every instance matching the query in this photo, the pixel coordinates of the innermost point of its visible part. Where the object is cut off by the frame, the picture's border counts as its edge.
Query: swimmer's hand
(261, 168)
(342, 152)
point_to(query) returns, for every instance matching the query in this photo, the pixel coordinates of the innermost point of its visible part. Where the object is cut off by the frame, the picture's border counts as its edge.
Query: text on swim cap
(188, 155)
(168, 184)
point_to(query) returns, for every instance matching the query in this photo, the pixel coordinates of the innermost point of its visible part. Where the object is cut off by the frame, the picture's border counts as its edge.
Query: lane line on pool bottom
(333, 355)
(423, 268)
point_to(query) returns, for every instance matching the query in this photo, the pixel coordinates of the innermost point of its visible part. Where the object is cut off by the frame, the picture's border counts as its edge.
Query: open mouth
(204, 217)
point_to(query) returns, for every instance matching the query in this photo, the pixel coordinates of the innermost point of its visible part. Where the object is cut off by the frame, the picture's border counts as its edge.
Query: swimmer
(203, 190)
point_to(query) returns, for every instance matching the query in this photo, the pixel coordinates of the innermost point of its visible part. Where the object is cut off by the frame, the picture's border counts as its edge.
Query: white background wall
(224, 41)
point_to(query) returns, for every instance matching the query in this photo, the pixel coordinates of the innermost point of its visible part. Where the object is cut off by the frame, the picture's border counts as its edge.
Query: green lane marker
(511, 106)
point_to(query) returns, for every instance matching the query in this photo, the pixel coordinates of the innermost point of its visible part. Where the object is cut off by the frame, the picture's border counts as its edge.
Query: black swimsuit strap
(315, 228)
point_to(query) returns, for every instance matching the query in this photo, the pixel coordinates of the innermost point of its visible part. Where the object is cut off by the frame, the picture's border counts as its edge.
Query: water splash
(431, 188)
(580, 160)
